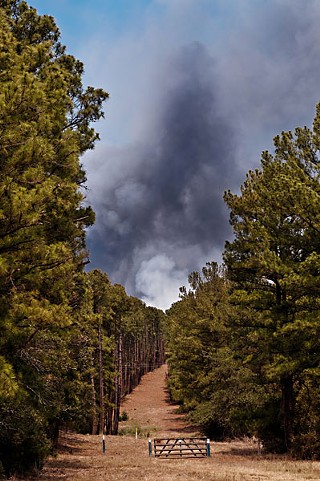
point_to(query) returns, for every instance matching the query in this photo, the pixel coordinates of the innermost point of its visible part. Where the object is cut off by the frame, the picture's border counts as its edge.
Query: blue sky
(113, 32)
(81, 19)
(198, 88)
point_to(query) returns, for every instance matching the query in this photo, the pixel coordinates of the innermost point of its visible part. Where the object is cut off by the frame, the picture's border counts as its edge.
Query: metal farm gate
(180, 447)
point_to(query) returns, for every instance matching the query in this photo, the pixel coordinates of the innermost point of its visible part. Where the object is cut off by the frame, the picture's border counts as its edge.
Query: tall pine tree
(274, 262)
(45, 126)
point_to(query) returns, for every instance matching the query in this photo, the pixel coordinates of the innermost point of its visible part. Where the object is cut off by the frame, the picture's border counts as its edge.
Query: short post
(103, 445)
(150, 447)
(208, 448)
(179, 442)
(259, 447)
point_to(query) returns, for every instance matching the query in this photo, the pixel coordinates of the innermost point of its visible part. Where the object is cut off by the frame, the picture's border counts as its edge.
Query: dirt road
(127, 458)
(150, 410)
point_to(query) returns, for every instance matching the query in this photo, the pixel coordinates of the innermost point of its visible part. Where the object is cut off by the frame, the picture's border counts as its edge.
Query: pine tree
(274, 263)
(206, 374)
(45, 126)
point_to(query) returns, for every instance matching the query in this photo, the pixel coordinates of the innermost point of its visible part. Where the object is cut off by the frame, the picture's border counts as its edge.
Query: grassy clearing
(127, 459)
(136, 430)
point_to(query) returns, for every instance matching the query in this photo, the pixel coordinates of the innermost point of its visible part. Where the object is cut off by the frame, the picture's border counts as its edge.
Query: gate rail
(180, 447)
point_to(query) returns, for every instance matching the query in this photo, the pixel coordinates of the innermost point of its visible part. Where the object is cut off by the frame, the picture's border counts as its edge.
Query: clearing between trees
(151, 414)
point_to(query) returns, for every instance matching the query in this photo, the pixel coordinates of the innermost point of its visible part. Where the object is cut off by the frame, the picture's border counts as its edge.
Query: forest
(72, 344)
(242, 341)
(246, 336)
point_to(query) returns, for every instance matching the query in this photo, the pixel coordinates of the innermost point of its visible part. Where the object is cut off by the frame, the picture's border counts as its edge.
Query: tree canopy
(274, 263)
(72, 344)
(46, 120)
(260, 374)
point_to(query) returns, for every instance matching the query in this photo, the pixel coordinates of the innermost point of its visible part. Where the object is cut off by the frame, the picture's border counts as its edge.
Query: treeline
(244, 340)
(125, 342)
(72, 344)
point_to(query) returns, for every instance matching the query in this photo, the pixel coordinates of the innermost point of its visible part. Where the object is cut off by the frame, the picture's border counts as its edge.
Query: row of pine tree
(245, 359)
(72, 344)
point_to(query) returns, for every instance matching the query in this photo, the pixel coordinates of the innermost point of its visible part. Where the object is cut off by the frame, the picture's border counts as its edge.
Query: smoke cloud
(193, 115)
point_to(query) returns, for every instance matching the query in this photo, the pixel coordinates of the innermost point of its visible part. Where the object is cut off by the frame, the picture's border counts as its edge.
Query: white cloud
(159, 279)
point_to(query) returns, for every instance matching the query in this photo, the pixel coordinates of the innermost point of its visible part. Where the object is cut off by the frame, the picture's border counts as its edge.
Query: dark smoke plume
(189, 125)
(171, 203)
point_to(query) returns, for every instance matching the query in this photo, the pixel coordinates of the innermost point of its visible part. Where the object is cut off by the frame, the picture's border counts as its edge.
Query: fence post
(208, 448)
(103, 445)
(150, 447)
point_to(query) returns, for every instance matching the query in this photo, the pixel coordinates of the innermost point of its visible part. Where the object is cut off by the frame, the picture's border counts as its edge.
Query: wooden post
(103, 445)
(150, 447)
(208, 448)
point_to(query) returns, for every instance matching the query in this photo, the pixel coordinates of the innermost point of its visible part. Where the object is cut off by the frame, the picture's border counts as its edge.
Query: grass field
(127, 458)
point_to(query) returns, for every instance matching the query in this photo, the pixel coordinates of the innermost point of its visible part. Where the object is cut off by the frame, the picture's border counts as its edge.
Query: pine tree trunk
(287, 409)
(109, 416)
(101, 387)
(118, 389)
(94, 429)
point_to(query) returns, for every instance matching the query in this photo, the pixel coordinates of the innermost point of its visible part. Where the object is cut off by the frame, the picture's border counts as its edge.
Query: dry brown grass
(126, 458)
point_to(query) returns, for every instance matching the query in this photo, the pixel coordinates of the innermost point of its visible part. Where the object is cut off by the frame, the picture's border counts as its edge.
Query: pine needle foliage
(46, 118)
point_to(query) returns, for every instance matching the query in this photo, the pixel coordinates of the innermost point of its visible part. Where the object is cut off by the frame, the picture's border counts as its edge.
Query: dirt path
(127, 459)
(150, 411)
